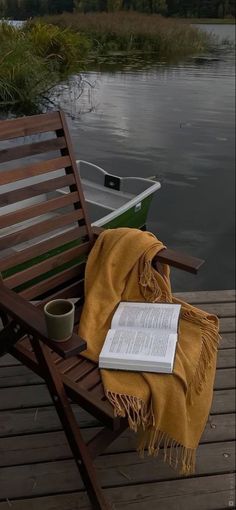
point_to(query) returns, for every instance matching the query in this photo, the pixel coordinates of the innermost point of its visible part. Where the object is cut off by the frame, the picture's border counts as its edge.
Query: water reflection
(175, 122)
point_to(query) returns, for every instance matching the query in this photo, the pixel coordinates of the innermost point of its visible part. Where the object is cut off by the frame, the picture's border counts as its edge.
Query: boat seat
(106, 196)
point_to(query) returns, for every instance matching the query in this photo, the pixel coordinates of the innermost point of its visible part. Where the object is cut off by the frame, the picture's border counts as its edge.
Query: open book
(142, 337)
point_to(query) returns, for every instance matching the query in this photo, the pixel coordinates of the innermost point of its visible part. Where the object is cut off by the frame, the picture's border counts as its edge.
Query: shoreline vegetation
(133, 31)
(34, 59)
(47, 51)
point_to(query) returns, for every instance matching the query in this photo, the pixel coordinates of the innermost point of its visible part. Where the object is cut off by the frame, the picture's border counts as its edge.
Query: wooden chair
(46, 259)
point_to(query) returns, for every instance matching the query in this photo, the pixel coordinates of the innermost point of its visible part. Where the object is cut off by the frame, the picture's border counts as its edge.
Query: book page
(161, 316)
(128, 344)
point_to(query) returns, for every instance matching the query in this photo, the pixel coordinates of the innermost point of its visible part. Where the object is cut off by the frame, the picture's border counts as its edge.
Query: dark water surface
(175, 122)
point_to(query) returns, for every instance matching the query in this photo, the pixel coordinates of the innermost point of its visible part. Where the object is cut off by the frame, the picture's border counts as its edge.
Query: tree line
(21, 9)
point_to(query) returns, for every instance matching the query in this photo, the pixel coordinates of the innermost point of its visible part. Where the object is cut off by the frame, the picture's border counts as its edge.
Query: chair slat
(47, 265)
(92, 379)
(54, 281)
(42, 247)
(34, 169)
(31, 149)
(39, 229)
(81, 371)
(74, 290)
(74, 168)
(38, 209)
(65, 365)
(26, 126)
(11, 197)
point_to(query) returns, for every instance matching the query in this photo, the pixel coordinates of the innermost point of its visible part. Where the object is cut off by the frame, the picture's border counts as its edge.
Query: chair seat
(81, 377)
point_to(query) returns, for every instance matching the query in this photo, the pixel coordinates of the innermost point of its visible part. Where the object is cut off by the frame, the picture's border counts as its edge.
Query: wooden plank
(71, 291)
(8, 360)
(31, 149)
(113, 470)
(178, 260)
(219, 309)
(27, 396)
(18, 375)
(43, 447)
(227, 325)
(205, 493)
(24, 397)
(36, 210)
(26, 126)
(227, 341)
(37, 189)
(34, 169)
(47, 265)
(42, 247)
(226, 358)
(77, 271)
(225, 378)
(38, 419)
(223, 401)
(39, 229)
(206, 296)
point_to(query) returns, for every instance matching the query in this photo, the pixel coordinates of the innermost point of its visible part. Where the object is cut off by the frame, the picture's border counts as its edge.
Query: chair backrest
(45, 233)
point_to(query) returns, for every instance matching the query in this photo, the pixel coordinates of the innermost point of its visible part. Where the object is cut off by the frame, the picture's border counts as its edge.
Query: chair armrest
(167, 256)
(32, 322)
(178, 260)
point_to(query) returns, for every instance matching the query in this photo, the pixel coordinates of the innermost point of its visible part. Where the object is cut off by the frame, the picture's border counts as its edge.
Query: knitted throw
(168, 410)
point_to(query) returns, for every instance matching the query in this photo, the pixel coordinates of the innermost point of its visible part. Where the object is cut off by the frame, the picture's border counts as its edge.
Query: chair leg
(70, 426)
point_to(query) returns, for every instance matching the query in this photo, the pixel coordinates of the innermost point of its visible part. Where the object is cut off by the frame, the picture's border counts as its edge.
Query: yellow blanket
(168, 410)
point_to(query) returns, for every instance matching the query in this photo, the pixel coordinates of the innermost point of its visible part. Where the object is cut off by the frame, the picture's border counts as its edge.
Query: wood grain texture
(39, 229)
(114, 470)
(31, 149)
(205, 493)
(26, 126)
(35, 190)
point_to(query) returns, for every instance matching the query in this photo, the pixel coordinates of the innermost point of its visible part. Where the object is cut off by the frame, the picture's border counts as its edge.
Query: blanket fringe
(139, 414)
(210, 343)
(150, 438)
(175, 454)
(149, 286)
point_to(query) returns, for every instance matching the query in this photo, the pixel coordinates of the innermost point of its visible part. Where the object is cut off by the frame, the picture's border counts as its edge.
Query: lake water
(175, 122)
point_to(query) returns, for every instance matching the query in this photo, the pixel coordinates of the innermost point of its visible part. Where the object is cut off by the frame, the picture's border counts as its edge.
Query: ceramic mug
(59, 315)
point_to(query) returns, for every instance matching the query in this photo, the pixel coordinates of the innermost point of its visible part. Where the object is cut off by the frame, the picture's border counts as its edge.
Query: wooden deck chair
(45, 237)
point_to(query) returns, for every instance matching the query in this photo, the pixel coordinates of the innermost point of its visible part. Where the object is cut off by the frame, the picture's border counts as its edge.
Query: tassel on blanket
(135, 409)
(210, 343)
(176, 455)
(151, 439)
(150, 289)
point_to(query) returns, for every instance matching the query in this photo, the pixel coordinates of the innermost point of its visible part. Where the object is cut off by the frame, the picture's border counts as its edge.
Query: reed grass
(45, 52)
(33, 60)
(133, 31)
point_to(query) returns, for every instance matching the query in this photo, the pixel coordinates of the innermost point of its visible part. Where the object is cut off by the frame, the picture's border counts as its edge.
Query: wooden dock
(38, 473)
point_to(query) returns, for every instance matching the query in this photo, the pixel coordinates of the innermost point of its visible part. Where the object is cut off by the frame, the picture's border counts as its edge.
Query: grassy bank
(45, 52)
(33, 60)
(132, 31)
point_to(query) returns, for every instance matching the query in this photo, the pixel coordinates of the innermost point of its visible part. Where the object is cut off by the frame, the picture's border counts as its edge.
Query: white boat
(114, 201)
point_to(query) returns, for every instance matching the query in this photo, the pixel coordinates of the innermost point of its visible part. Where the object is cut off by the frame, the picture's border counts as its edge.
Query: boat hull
(135, 217)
